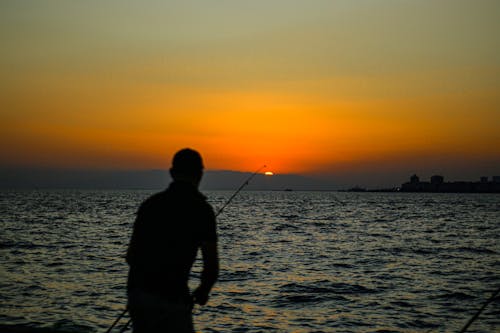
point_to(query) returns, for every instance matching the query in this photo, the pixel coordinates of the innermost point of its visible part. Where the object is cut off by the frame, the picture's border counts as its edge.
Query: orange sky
(304, 87)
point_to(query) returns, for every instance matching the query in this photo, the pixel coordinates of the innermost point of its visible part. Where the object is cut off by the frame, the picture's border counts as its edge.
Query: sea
(290, 261)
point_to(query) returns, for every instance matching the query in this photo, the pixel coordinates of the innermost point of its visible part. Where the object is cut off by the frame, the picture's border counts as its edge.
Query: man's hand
(209, 274)
(200, 296)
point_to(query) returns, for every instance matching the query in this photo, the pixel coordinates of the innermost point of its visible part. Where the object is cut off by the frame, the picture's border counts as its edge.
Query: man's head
(187, 165)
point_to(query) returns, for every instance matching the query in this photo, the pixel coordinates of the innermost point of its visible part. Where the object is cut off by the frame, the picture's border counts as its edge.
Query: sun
(268, 173)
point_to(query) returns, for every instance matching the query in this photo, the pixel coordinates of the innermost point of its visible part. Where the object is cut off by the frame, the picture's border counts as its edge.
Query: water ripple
(290, 261)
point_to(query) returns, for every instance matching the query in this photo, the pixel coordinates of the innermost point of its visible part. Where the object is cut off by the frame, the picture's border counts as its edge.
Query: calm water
(291, 261)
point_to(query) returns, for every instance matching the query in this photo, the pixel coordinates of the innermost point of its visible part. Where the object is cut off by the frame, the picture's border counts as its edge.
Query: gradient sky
(310, 87)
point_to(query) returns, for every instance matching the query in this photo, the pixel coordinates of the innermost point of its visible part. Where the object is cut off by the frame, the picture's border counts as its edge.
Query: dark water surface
(291, 261)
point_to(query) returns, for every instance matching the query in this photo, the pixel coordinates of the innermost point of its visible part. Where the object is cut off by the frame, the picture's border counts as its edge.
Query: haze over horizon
(30, 178)
(347, 92)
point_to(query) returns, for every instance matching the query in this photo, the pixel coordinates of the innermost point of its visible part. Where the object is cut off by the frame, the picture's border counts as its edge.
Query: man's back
(169, 228)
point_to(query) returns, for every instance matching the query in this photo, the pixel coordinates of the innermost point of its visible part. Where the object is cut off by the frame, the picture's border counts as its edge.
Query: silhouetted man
(169, 229)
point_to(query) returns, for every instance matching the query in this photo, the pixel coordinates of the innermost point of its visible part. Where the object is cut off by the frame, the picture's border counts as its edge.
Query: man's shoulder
(173, 198)
(153, 200)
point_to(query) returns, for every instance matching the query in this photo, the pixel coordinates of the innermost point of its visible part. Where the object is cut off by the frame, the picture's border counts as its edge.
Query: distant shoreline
(391, 191)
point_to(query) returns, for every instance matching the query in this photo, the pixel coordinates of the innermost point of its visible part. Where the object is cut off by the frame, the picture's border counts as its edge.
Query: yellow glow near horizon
(311, 89)
(269, 173)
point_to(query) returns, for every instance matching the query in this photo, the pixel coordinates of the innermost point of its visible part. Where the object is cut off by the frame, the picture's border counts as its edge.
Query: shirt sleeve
(209, 228)
(132, 248)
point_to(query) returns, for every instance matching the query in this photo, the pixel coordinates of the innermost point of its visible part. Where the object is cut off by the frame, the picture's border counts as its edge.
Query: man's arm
(131, 255)
(210, 272)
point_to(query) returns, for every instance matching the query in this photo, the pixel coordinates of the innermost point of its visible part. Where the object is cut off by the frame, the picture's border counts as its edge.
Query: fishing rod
(478, 312)
(495, 294)
(245, 183)
(117, 320)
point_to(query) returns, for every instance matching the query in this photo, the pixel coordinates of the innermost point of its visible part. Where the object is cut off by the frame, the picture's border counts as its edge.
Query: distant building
(437, 184)
(437, 179)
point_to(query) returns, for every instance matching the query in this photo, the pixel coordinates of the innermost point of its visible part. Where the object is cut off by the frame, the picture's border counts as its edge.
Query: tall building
(437, 179)
(437, 184)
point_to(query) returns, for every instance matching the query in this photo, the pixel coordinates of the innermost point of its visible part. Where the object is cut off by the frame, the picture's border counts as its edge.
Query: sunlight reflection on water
(291, 261)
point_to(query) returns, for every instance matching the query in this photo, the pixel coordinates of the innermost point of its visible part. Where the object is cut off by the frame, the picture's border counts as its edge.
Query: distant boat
(288, 190)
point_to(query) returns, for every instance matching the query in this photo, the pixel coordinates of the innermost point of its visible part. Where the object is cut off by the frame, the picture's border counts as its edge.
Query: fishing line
(245, 183)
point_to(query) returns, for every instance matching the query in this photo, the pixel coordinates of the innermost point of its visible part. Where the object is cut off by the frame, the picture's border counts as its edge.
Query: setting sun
(323, 90)
(269, 173)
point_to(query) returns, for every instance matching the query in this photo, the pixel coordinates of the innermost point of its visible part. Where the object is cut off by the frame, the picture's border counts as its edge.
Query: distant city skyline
(20, 178)
(437, 184)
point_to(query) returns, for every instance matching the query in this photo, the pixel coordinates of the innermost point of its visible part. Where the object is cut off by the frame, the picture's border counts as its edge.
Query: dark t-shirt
(169, 228)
